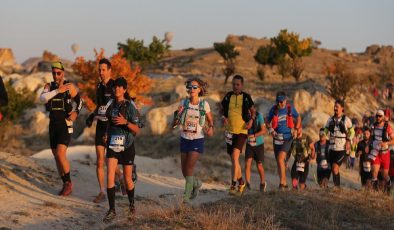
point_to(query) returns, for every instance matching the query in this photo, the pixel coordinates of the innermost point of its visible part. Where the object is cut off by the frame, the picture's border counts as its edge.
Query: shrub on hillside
(229, 54)
(138, 84)
(18, 101)
(341, 80)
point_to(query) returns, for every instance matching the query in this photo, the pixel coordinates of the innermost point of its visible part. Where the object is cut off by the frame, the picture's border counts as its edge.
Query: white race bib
(373, 154)
(117, 143)
(300, 166)
(252, 141)
(323, 164)
(228, 137)
(367, 166)
(278, 140)
(190, 127)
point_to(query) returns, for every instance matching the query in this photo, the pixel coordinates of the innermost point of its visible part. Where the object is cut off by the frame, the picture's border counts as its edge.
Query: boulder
(7, 57)
(33, 81)
(38, 120)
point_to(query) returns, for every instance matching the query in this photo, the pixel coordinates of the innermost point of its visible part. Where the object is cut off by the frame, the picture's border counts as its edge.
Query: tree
(135, 50)
(341, 80)
(228, 52)
(138, 84)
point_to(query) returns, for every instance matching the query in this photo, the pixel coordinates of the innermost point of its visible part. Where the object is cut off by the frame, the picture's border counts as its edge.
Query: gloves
(89, 120)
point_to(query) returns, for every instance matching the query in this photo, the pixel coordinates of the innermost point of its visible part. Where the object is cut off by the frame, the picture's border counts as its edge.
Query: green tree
(229, 54)
(266, 55)
(135, 50)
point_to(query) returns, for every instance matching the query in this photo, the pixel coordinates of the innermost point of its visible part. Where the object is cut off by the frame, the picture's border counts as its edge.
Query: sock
(240, 181)
(337, 179)
(188, 186)
(67, 177)
(111, 197)
(130, 194)
(233, 183)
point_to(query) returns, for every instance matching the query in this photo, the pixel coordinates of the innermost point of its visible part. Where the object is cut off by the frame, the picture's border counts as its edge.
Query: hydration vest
(289, 117)
(319, 156)
(61, 102)
(201, 109)
(384, 136)
(299, 149)
(341, 123)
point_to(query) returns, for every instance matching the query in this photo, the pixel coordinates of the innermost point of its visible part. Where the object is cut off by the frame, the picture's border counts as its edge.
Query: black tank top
(60, 105)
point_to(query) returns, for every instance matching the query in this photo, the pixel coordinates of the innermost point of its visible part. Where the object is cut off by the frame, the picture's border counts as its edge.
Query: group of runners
(118, 122)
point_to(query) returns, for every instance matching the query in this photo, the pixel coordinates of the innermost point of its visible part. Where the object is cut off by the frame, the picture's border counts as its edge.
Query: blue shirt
(256, 126)
(282, 123)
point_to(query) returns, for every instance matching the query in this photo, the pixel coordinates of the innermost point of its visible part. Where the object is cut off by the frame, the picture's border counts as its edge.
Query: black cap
(120, 81)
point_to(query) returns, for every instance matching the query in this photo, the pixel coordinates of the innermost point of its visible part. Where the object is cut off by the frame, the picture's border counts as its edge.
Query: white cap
(380, 112)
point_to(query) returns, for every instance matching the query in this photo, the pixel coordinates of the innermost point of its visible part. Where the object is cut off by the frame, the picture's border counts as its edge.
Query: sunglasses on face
(192, 87)
(379, 116)
(58, 73)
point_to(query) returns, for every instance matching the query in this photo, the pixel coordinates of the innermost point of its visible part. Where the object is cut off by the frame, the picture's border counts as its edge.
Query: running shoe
(283, 187)
(233, 190)
(196, 187)
(110, 216)
(263, 187)
(241, 189)
(131, 212)
(99, 198)
(68, 188)
(248, 186)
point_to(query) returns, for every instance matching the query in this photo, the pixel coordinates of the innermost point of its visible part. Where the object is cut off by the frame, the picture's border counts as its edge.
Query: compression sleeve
(47, 95)
(79, 102)
(350, 133)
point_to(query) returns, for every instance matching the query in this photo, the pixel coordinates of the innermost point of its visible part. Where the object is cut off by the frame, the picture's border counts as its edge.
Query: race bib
(278, 140)
(102, 110)
(373, 154)
(228, 137)
(300, 166)
(367, 166)
(117, 143)
(252, 141)
(190, 127)
(323, 164)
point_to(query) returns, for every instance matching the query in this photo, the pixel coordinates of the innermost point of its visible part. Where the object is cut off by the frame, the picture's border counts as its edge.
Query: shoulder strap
(288, 106)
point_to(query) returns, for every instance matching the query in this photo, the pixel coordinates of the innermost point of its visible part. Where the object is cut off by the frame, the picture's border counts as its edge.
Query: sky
(31, 26)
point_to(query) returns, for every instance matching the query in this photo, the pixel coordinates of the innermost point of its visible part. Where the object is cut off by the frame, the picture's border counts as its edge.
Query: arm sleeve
(79, 102)
(47, 95)
(350, 128)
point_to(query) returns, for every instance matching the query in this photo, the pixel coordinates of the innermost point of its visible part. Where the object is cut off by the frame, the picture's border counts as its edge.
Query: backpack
(289, 117)
(64, 97)
(385, 137)
(342, 126)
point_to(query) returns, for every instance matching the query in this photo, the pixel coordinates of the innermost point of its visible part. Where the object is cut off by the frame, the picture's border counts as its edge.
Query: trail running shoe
(248, 186)
(68, 188)
(263, 187)
(196, 187)
(131, 212)
(283, 187)
(232, 190)
(241, 189)
(99, 198)
(110, 216)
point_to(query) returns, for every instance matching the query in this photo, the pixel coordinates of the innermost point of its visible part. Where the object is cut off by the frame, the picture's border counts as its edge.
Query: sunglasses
(58, 73)
(192, 87)
(379, 115)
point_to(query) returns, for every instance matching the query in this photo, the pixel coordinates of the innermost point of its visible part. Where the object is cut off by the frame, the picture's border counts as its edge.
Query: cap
(57, 65)
(280, 98)
(121, 81)
(380, 112)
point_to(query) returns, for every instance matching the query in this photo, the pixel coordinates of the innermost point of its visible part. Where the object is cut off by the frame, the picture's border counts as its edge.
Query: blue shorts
(285, 147)
(196, 145)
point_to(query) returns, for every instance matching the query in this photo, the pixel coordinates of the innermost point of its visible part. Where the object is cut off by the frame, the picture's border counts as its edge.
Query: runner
(301, 152)
(341, 132)
(283, 128)
(383, 136)
(363, 150)
(320, 152)
(236, 119)
(104, 96)
(123, 127)
(255, 149)
(58, 96)
(195, 118)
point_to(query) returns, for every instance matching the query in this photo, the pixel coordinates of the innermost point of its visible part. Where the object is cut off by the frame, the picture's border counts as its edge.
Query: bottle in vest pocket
(69, 126)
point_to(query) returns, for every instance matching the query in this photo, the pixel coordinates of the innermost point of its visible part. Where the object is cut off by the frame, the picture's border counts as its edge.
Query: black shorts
(336, 157)
(285, 147)
(257, 152)
(58, 134)
(101, 128)
(125, 157)
(238, 142)
(323, 173)
(300, 176)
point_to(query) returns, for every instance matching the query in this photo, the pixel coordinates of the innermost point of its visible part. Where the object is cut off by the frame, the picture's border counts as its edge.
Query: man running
(255, 149)
(341, 132)
(363, 149)
(58, 96)
(302, 155)
(282, 128)
(236, 118)
(320, 152)
(383, 136)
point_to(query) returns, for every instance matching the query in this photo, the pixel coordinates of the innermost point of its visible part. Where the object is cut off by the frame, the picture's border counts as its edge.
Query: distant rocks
(7, 57)
(380, 54)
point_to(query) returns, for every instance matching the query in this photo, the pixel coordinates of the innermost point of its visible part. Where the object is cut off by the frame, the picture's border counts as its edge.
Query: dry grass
(313, 209)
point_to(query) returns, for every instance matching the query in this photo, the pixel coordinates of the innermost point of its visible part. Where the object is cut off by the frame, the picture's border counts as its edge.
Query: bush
(341, 80)
(18, 101)
(227, 51)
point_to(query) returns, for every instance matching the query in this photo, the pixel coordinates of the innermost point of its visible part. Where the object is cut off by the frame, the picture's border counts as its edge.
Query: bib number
(300, 166)
(117, 143)
(323, 164)
(190, 127)
(102, 110)
(228, 137)
(278, 140)
(367, 166)
(252, 141)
